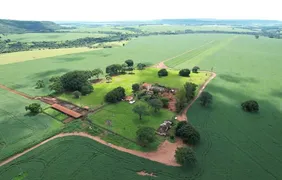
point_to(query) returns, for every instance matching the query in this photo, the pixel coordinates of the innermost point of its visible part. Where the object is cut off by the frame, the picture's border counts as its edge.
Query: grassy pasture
(151, 49)
(125, 122)
(87, 159)
(16, 57)
(235, 144)
(149, 75)
(29, 37)
(18, 130)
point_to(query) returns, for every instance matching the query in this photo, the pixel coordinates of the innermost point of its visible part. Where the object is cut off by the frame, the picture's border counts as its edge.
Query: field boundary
(16, 92)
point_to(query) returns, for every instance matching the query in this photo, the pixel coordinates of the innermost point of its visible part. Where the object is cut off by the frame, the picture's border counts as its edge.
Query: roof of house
(66, 111)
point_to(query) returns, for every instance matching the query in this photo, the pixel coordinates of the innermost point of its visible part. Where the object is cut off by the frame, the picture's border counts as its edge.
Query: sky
(117, 10)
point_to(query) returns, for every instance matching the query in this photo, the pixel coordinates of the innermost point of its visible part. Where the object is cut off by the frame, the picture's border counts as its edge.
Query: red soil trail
(15, 92)
(182, 116)
(164, 154)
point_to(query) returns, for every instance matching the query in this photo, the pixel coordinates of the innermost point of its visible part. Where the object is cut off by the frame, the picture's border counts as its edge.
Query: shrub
(165, 102)
(40, 84)
(129, 62)
(162, 72)
(141, 66)
(145, 135)
(86, 89)
(205, 98)
(115, 95)
(76, 94)
(34, 108)
(185, 156)
(135, 87)
(184, 72)
(250, 106)
(141, 94)
(195, 69)
(114, 69)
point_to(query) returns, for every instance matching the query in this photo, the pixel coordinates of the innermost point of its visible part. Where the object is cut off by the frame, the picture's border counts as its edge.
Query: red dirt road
(164, 154)
(15, 92)
(182, 116)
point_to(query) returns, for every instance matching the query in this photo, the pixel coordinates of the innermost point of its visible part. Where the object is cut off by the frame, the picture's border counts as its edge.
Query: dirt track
(182, 116)
(164, 154)
(15, 92)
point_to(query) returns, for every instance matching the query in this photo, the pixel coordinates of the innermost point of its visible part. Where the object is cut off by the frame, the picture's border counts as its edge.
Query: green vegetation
(14, 26)
(30, 37)
(19, 130)
(231, 138)
(250, 106)
(149, 75)
(187, 133)
(146, 136)
(185, 156)
(124, 121)
(34, 108)
(205, 98)
(87, 159)
(15, 57)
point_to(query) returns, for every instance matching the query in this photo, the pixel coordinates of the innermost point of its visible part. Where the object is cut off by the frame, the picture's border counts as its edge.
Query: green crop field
(148, 75)
(164, 28)
(236, 144)
(152, 49)
(81, 158)
(101, 29)
(38, 54)
(19, 130)
(29, 37)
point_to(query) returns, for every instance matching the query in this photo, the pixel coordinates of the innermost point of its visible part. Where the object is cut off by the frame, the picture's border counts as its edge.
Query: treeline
(8, 46)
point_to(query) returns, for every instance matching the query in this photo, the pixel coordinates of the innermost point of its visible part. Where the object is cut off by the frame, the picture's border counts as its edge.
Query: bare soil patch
(144, 173)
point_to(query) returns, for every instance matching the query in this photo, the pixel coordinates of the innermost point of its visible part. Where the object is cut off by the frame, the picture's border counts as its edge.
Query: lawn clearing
(15, 57)
(125, 122)
(19, 130)
(87, 159)
(55, 114)
(148, 75)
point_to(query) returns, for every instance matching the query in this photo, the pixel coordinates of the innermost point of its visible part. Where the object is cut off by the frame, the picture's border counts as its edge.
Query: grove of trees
(185, 156)
(187, 133)
(115, 95)
(184, 72)
(205, 98)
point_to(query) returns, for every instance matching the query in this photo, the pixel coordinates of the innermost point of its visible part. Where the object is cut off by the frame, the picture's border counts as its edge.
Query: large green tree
(156, 104)
(74, 80)
(34, 108)
(190, 89)
(146, 136)
(97, 72)
(141, 110)
(205, 98)
(129, 62)
(185, 156)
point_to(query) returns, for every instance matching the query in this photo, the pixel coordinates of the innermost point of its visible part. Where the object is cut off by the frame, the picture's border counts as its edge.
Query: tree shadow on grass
(277, 93)
(237, 79)
(69, 59)
(44, 74)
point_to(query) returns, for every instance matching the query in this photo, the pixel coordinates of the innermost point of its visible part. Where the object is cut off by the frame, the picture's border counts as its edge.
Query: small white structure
(164, 127)
(132, 102)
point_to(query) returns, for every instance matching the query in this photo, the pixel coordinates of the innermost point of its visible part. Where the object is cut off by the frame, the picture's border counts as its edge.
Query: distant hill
(14, 26)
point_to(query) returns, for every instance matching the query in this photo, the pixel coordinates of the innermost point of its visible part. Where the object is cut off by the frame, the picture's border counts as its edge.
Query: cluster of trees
(115, 69)
(39, 84)
(185, 95)
(7, 46)
(185, 155)
(186, 72)
(75, 81)
(115, 95)
(250, 106)
(187, 133)
(146, 136)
